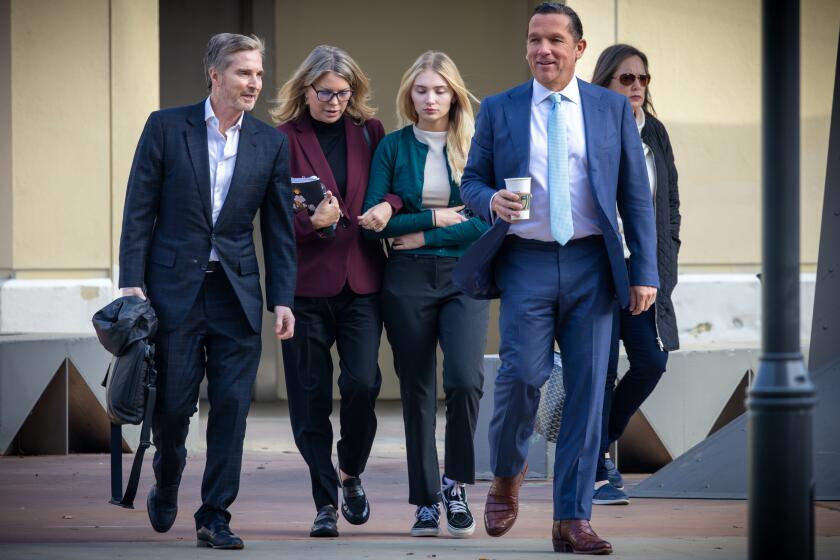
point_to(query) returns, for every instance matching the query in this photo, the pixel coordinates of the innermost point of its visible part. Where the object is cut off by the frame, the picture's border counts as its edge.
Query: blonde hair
(461, 116)
(291, 98)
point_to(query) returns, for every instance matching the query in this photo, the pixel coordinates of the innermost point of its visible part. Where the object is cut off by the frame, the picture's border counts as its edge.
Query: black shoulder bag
(125, 328)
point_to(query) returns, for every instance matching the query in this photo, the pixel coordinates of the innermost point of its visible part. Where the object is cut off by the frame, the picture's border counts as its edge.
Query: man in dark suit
(200, 174)
(559, 272)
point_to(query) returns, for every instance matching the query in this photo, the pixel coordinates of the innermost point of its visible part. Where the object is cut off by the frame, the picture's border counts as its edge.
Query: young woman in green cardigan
(422, 163)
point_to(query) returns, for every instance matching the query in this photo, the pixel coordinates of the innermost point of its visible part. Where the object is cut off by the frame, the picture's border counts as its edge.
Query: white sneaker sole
(618, 502)
(425, 532)
(459, 533)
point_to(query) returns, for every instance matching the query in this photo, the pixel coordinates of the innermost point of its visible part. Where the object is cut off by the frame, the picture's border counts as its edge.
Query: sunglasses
(325, 95)
(628, 79)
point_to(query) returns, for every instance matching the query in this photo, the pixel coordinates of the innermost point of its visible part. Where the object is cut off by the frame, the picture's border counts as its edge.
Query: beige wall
(385, 37)
(6, 223)
(60, 126)
(706, 62)
(135, 62)
(83, 79)
(706, 87)
(599, 27)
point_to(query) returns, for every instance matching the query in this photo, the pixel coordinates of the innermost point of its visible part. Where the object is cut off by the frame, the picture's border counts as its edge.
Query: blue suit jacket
(168, 230)
(617, 175)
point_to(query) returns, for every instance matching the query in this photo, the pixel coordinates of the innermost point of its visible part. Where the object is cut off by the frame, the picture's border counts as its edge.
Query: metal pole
(781, 399)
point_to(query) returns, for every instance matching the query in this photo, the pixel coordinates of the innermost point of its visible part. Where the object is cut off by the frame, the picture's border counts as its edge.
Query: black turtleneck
(333, 143)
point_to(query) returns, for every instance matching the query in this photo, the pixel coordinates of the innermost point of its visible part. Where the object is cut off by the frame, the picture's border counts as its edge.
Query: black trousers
(647, 364)
(421, 308)
(353, 323)
(215, 339)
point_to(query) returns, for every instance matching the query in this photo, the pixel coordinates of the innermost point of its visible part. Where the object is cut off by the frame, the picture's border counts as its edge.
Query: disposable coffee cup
(522, 187)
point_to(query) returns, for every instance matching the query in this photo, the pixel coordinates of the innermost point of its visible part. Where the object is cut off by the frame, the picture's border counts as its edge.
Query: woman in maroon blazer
(324, 111)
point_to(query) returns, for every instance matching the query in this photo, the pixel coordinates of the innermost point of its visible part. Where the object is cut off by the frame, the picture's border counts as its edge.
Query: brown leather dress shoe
(576, 535)
(503, 503)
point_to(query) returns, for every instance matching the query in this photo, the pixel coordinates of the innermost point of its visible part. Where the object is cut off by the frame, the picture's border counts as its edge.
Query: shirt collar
(571, 92)
(210, 116)
(640, 120)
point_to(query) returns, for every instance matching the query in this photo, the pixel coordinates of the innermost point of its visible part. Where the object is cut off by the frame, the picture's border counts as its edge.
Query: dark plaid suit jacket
(168, 230)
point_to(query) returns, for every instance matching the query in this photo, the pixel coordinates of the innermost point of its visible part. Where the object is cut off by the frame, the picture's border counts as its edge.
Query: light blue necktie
(560, 202)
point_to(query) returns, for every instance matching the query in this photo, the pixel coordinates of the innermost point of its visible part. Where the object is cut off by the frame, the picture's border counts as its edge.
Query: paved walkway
(55, 507)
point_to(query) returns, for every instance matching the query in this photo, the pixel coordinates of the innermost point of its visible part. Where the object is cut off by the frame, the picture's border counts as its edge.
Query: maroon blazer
(326, 264)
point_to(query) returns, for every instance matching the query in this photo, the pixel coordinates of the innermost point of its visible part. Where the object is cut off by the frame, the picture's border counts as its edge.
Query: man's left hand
(284, 326)
(641, 298)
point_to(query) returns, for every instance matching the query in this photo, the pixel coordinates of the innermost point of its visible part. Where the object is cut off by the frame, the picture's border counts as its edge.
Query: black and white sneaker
(459, 518)
(426, 521)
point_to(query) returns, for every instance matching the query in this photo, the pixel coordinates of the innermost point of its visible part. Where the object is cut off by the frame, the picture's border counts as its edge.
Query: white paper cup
(522, 187)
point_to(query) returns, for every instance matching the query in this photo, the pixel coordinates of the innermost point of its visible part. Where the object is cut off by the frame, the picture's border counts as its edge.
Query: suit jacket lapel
(196, 135)
(245, 156)
(518, 116)
(593, 124)
(356, 147)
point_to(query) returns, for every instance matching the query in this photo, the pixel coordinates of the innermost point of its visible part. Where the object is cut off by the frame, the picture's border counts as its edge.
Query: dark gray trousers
(421, 308)
(215, 339)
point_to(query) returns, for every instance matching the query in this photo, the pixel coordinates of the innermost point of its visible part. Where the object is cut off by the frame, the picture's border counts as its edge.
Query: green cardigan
(398, 167)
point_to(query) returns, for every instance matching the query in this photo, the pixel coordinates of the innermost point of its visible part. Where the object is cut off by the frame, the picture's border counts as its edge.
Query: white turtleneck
(436, 190)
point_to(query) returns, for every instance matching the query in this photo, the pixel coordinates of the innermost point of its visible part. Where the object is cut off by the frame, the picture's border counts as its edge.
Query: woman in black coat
(647, 337)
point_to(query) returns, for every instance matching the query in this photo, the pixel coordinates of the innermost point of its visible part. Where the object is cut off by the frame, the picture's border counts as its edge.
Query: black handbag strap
(127, 499)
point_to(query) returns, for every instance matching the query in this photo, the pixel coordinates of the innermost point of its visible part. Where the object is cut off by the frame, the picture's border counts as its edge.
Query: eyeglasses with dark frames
(628, 79)
(325, 95)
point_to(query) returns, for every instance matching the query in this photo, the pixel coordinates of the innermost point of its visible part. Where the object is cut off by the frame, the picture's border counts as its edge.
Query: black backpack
(125, 328)
(127, 383)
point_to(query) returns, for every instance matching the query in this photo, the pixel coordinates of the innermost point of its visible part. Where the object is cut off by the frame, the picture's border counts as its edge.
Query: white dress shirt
(584, 215)
(222, 149)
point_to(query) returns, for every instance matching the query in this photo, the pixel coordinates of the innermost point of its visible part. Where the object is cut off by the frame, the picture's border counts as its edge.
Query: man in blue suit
(560, 272)
(200, 174)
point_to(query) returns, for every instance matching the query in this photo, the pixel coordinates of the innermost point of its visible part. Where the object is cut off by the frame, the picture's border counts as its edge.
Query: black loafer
(162, 507)
(325, 523)
(354, 507)
(218, 536)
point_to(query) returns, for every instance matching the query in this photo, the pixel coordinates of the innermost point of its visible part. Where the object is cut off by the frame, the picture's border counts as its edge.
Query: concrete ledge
(726, 308)
(52, 306)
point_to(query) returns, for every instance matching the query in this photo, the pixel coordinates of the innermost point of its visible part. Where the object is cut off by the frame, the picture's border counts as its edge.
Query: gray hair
(220, 47)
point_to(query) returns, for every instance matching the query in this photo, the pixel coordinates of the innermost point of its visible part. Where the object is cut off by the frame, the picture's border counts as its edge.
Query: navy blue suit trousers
(553, 293)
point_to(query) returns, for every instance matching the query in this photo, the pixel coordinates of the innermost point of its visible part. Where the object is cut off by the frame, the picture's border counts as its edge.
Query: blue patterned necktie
(560, 202)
